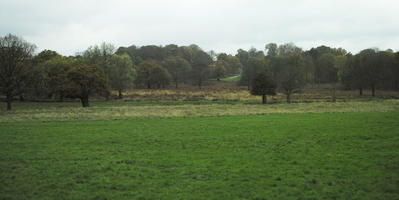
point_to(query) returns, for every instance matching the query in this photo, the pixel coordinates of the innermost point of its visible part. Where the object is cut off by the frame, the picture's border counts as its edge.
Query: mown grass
(72, 111)
(272, 156)
(235, 78)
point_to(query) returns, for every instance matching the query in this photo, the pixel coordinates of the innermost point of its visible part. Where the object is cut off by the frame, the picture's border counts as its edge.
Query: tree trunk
(9, 100)
(361, 91)
(373, 90)
(334, 95)
(199, 84)
(264, 99)
(21, 98)
(176, 84)
(120, 94)
(288, 97)
(85, 100)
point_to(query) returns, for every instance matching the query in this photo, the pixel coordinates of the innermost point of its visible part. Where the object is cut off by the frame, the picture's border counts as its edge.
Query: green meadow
(322, 150)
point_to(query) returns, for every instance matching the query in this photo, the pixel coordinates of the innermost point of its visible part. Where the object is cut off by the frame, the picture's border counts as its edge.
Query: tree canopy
(263, 85)
(85, 81)
(14, 52)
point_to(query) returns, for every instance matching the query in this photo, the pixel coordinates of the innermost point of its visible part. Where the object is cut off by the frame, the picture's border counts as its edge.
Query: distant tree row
(101, 68)
(157, 65)
(289, 68)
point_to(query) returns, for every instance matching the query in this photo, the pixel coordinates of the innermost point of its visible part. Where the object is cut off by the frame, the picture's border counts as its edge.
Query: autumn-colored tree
(219, 70)
(85, 81)
(56, 80)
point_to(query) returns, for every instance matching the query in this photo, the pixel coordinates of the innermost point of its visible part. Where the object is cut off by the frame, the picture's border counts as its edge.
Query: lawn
(327, 155)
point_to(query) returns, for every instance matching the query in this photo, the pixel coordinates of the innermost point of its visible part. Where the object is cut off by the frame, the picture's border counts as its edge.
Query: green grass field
(348, 150)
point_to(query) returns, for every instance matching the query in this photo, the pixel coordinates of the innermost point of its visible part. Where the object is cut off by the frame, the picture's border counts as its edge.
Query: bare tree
(14, 51)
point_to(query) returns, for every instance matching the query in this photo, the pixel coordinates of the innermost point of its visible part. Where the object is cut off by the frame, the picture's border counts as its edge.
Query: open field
(72, 111)
(227, 91)
(274, 156)
(201, 149)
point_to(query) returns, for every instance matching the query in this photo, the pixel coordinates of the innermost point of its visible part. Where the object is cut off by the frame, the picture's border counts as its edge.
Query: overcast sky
(70, 26)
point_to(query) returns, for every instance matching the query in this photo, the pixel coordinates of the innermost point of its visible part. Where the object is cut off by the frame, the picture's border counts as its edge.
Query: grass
(349, 155)
(72, 111)
(235, 78)
(230, 91)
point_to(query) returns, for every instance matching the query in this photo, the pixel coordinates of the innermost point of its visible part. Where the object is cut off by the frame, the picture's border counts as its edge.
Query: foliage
(178, 68)
(231, 63)
(254, 66)
(121, 73)
(219, 70)
(56, 79)
(150, 74)
(290, 77)
(326, 69)
(85, 81)
(200, 67)
(288, 49)
(272, 49)
(14, 53)
(263, 85)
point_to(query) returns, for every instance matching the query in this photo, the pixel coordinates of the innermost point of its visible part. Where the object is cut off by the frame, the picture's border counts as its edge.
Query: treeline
(289, 68)
(157, 66)
(101, 68)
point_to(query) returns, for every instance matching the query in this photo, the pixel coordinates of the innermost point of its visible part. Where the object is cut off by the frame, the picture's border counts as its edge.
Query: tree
(263, 85)
(14, 52)
(200, 67)
(325, 69)
(320, 73)
(234, 65)
(272, 49)
(160, 77)
(386, 62)
(177, 67)
(219, 70)
(288, 49)
(243, 56)
(152, 52)
(290, 77)
(253, 67)
(56, 80)
(151, 75)
(395, 71)
(171, 50)
(99, 55)
(44, 56)
(253, 52)
(370, 68)
(121, 73)
(231, 63)
(85, 81)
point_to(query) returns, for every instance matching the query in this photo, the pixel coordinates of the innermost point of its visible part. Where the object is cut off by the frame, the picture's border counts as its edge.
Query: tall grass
(104, 110)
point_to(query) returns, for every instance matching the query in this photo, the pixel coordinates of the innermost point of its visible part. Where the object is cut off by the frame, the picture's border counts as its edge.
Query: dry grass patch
(121, 111)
